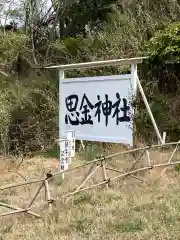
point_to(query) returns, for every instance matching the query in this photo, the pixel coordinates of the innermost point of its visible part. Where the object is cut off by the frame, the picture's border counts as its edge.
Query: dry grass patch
(129, 209)
(143, 213)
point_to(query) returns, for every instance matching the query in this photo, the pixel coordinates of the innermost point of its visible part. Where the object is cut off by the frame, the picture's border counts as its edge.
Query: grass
(134, 225)
(135, 210)
(52, 152)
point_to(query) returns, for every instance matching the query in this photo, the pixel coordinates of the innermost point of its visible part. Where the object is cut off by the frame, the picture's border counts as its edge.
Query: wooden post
(48, 195)
(118, 171)
(90, 174)
(17, 210)
(171, 157)
(35, 196)
(148, 158)
(87, 178)
(164, 137)
(136, 161)
(103, 167)
(14, 212)
(149, 110)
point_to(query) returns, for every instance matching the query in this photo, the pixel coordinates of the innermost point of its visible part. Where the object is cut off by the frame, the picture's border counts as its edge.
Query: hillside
(81, 31)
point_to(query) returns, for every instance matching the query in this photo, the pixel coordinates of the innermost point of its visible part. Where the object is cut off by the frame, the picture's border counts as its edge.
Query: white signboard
(71, 137)
(65, 154)
(97, 108)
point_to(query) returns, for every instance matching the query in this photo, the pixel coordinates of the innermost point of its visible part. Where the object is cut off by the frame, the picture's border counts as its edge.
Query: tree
(164, 52)
(76, 16)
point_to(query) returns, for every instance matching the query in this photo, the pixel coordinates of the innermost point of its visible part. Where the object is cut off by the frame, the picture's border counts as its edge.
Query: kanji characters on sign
(84, 112)
(64, 154)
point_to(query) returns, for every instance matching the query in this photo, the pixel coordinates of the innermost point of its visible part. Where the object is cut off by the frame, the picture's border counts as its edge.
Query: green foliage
(165, 45)
(91, 152)
(125, 35)
(82, 13)
(134, 226)
(177, 168)
(29, 118)
(71, 48)
(5, 118)
(11, 46)
(53, 152)
(160, 109)
(85, 198)
(83, 225)
(115, 30)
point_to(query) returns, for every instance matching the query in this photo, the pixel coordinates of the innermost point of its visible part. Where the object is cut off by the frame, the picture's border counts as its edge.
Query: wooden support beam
(18, 210)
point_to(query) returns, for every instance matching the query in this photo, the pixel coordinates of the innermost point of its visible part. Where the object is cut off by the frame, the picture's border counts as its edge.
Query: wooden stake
(35, 196)
(82, 146)
(148, 158)
(21, 184)
(103, 167)
(13, 212)
(19, 209)
(16, 171)
(85, 180)
(48, 195)
(172, 155)
(136, 161)
(116, 170)
(164, 137)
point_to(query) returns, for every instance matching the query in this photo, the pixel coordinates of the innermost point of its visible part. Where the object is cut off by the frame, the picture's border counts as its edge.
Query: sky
(10, 4)
(4, 6)
(7, 4)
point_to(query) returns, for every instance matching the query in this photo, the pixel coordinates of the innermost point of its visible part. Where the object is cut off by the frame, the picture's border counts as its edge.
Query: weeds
(85, 198)
(83, 225)
(140, 212)
(126, 227)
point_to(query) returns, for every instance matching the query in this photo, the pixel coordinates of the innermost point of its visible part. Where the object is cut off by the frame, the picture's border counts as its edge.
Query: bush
(11, 45)
(160, 75)
(29, 105)
(30, 114)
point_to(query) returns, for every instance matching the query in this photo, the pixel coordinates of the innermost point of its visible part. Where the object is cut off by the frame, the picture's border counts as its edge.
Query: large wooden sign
(97, 108)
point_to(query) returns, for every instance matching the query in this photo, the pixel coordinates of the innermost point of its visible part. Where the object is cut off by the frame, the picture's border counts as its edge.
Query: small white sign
(64, 154)
(71, 138)
(97, 108)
